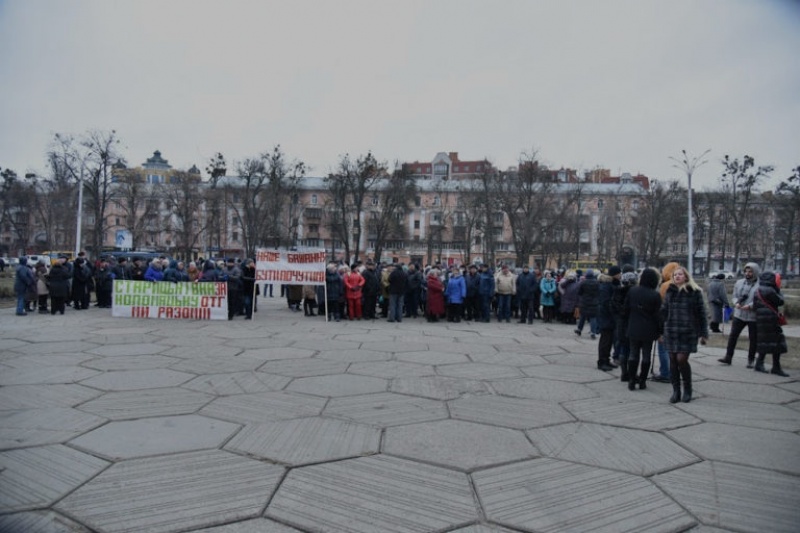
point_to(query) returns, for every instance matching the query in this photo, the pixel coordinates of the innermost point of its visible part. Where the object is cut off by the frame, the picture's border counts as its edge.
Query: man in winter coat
(334, 289)
(81, 274)
(526, 294)
(718, 300)
(414, 284)
(505, 286)
(59, 277)
(398, 285)
(588, 292)
(371, 289)
(486, 292)
(605, 319)
(456, 293)
(641, 310)
(770, 334)
(744, 315)
(23, 283)
(472, 303)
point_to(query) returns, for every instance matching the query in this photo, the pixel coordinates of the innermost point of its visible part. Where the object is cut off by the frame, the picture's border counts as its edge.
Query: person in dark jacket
(718, 300)
(685, 321)
(233, 275)
(155, 272)
(527, 286)
(138, 269)
(59, 277)
(414, 283)
(770, 334)
(642, 313)
(588, 292)
(456, 293)
(210, 273)
(486, 292)
(568, 290)
(472, 303)
(397, 290)
(104, 284)
(23, 282)
(80, 284)
(605, 319)
(548, 289)
(248, 287)
(370, 290)
(122, 270)
(334, 291)
(627, 281)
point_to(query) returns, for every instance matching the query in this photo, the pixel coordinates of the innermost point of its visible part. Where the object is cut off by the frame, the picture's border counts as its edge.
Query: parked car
(728, 274)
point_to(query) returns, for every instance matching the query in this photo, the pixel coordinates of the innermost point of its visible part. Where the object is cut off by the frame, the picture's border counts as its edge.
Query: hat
(629, 278)
(122, 259)
(231, 260)
(721, 275)
(614, 270)
(627, 267)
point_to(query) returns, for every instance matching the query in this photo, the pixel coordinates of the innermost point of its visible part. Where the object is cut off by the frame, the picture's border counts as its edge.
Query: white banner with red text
(166, 300)
(290, 268)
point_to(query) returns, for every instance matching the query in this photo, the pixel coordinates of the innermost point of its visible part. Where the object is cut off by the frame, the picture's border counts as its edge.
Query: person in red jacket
(435, 303)
(353, 282)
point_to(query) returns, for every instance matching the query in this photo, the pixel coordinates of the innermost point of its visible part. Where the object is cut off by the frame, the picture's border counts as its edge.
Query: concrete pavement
(286, 424)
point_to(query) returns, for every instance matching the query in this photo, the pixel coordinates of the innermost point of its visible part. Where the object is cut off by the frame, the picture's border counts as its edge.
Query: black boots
(632, 368)
(760, 363)
(750, 361)
(675, 379)
(686, 375)
(726, 360)
(776, 366)
(714, 327)
(643, 376)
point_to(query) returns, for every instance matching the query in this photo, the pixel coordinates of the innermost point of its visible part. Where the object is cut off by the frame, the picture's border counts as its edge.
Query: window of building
(417, 201)
(436, 217)
(313, 199)
(313, 228)
(416, 224)
(636, 204)
(116, 221)
(599, 204)
(466, 168)
(375, 200)
(440, 169)
(235, 236)
(437, 200)
(498, 218)
(455, 168)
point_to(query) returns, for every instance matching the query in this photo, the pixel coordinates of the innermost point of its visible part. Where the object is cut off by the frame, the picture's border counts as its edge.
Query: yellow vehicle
(53, 255)
(586, 265)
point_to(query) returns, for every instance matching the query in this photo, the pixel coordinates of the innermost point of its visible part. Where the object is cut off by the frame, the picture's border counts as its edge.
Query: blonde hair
(689, 281)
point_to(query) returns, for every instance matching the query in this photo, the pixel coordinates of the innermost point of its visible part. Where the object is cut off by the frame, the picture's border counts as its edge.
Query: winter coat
(209, 272)
(605, 291)
(59, 281)
(588, 293)
(234, 277)
(486, 285)
(526, 286)
(743, 293)
(398, 281)
(371, 284)
(569, 295)
(548, 287)
(104, 279)
(310, 293)
(41, 280)
(193, 273)
(154, 273)
(641, 311)
(456, 289)
(121, 271)
(24, 280)
(685, 319)
(415, 281)
(505, 283)
(435, 301)
(770, 338)
(718, 298)
(354, 283)
(334, 286)
(248, 279)
(473, 284)
(620, 320)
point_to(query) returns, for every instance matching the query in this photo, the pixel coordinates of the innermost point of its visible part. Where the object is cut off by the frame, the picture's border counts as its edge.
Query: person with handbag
(767, 300)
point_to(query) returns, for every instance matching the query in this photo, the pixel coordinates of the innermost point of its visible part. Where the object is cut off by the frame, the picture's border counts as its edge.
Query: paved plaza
(291, 424)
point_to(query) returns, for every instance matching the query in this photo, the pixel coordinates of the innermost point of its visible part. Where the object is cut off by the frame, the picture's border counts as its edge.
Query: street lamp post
(80, 214)
(689, 165)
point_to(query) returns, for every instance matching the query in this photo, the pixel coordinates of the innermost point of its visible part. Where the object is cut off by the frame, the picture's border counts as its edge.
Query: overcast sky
(614, 84)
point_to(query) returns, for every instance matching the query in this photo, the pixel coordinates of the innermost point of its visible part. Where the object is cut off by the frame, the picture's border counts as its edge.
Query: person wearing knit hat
(614, 270)
(642, 311)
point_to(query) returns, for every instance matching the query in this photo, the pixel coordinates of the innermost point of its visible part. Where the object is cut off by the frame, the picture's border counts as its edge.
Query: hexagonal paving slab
(573, 374)
(631, 414)
(161, 494)
(353, 356)
(386, 409)
(48, 375)
(372, 494)
(630, 450)
(548, 495)
(509, 358)
(403, 345)
(144, 403)
(542, 389)
(279, 353)
(137, 379)
(736, 497)
(217, 365)
(478, 371)
(155, 436)
(306, 440)
(192, 351)
(437, 387)
(142, 348)
(338, 385)
(507, 412)
(39, 361)
(257, 525)
(744, 413)
(36, 477)
(457, 444)
(391, 369)
(264, 407)
(237, 383)
(743, 445)
(42, 396)
(40, 522)
(433, 358)
(482, 529)
(748, 392)
(131, 362)
(34, 427)
(300, 368)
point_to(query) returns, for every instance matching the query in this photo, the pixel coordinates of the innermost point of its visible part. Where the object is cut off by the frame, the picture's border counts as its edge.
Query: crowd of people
(634, 315)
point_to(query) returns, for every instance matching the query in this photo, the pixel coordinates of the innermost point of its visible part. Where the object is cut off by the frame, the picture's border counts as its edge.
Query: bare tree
(283, 208)
(742, 179)
(183, 199)
(17, 206)
(788, 220)
(657, 221)
(215, 200)
(134, 197)
(101, 152)
(249, 202)
(397, 194)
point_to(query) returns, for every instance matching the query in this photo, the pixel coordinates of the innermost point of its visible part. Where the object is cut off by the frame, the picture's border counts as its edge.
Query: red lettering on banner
(268, 257)
(222, 289)
(140, 312)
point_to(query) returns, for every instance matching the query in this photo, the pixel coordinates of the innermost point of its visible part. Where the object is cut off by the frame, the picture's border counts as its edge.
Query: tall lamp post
(688, 165)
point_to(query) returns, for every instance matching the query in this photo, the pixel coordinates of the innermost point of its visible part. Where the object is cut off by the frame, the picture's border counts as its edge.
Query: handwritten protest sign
(166, 300)
(290, 268)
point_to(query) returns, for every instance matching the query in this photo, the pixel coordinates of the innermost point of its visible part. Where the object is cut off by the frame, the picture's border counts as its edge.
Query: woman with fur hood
(770, 334)
(685, 321)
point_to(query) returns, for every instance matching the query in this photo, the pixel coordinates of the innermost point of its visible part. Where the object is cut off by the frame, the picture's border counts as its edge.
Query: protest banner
(290, 268)
(167, 300)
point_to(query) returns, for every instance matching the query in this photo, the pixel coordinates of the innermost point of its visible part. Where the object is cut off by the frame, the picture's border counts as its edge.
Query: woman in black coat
(59, 277)
(770, 338)
(642, 311)
(685, 321)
